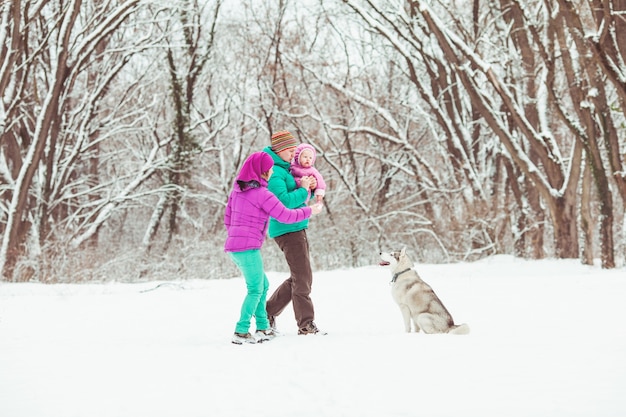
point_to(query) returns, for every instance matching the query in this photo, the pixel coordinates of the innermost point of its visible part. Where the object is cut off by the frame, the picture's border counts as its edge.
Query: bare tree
(460, 128)
(528, 105)
(52, 95)
(187, 54)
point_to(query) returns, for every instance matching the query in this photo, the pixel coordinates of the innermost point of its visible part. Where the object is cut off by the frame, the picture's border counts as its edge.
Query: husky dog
(416, 299)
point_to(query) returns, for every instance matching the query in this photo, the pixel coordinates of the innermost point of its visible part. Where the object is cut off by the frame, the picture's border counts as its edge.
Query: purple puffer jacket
(248, 211)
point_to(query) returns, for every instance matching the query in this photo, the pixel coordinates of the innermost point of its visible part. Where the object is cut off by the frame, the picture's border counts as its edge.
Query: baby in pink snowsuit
(303, 166)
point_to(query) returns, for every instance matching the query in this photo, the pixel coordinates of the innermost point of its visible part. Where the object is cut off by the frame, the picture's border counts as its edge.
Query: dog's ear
(403, 251)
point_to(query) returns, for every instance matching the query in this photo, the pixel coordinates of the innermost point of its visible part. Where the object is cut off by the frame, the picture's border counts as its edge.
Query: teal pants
(250, 263)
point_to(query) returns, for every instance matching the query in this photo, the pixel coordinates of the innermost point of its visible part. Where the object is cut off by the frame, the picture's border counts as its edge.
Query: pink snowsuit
(298, 171)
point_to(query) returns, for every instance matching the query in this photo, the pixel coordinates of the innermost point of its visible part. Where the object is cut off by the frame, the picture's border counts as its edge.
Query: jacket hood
(277, 160)
(254, 166)
(299, 149)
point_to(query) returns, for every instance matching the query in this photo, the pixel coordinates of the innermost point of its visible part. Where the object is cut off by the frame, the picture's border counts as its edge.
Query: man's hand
(305, 182)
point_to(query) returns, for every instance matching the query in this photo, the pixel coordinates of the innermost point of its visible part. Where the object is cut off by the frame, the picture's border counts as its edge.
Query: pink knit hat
(302, 147)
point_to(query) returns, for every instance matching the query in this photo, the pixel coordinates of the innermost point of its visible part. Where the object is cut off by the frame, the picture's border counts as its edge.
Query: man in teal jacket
(291, 238)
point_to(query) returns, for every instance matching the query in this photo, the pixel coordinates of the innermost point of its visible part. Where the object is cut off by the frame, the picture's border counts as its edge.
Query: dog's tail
(459, 329)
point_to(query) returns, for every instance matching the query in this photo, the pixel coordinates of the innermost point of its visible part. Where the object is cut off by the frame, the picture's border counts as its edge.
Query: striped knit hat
(283, 140)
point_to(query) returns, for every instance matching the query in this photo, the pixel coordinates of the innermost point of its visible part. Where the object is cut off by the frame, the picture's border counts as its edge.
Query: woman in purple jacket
(246, 218)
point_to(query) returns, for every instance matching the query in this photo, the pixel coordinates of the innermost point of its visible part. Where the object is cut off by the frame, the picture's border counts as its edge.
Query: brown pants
(297, 287)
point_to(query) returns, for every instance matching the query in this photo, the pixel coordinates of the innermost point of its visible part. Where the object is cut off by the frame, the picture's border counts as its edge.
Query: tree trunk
(586, 220)
(155, 221)
(564, 218)
(13, 239)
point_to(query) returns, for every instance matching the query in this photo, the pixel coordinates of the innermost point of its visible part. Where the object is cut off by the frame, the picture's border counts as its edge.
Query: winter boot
(264, 335)
(311, 328)
(241, 338)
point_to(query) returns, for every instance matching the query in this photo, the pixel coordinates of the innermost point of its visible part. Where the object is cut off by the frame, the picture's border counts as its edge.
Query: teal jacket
(284, 186)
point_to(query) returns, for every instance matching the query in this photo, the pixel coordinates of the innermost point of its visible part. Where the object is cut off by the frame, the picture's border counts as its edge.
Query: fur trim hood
(299, 149)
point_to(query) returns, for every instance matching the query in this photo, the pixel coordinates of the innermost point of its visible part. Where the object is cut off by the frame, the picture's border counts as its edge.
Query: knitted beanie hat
(283, 140)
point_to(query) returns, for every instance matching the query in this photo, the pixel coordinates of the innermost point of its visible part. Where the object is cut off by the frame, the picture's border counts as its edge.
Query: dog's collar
(396, 275)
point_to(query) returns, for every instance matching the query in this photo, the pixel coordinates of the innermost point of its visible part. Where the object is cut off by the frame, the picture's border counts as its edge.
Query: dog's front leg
(416, 327)
(406, 315)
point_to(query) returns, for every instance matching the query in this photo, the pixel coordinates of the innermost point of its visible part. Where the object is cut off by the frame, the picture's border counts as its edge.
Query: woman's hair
(243, 185)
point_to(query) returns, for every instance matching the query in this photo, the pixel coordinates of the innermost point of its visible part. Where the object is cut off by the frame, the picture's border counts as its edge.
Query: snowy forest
(458, 128)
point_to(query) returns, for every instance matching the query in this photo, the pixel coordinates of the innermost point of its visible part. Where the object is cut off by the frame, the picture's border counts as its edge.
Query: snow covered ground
(548, 338)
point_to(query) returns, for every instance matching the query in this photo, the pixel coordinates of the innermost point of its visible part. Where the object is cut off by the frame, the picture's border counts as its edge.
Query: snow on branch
(149, 167)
